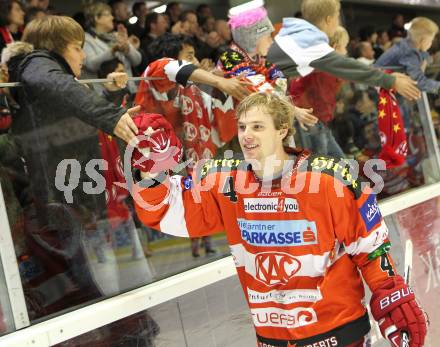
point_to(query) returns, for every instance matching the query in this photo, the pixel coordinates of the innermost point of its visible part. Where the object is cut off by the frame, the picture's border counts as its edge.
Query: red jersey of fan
(186, 107)
(300, 242)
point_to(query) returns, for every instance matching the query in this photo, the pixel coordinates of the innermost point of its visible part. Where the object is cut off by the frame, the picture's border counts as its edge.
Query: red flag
(391, 130)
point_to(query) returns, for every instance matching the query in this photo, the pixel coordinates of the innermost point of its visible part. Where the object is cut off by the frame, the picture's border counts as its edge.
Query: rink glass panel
(215, 316)
(76, 238)
(72, 254)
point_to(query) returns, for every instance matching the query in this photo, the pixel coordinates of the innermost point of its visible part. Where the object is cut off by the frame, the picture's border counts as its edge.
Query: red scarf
(391, 130)
(115, 195)
(6, 35)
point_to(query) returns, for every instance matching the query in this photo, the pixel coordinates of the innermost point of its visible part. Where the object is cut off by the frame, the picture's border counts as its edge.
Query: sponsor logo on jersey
(328, 342)
(219, 165)
(370, 212)
(274, 268)
(278, 233)
(270, 193)
(284, 296)
(270, 205)
(289, 319)
(187, 183)
(312, 265)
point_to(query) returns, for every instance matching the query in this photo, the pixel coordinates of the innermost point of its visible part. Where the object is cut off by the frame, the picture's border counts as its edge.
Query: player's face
(257, 135)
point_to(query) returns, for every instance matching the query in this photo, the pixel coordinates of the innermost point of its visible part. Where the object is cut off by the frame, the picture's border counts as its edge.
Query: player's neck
(272, 166)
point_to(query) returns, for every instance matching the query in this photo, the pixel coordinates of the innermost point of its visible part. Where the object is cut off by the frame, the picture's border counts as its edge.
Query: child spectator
(411, 53)
(366, 53)
(318, 91)
(302, 46)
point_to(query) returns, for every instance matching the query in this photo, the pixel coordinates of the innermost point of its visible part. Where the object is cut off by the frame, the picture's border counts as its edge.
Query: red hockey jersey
(298, 241)
(187, 108)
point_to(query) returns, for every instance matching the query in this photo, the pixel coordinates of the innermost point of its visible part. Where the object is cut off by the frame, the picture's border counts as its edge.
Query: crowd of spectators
(198, 98)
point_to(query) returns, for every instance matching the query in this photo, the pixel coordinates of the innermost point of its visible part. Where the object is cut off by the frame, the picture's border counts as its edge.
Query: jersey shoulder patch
(221, 165)
(344, 170)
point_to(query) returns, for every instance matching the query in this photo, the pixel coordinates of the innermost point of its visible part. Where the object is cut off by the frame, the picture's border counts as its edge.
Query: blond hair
(422, 27)
(315, 11)
(339, 36)
(280, 108)
(53, 33)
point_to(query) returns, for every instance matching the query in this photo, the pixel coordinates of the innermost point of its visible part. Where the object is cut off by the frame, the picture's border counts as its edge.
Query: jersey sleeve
(360, 229)
(178, 207)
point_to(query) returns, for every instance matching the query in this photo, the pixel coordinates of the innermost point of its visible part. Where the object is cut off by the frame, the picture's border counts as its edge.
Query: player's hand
(126, 129)
(159, 148)
(394, 307)
(305, 117)
(405, 86)
(237, 87)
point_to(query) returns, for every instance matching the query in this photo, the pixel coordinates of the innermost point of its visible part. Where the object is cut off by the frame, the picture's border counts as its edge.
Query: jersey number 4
(228, 189)
(385, 265)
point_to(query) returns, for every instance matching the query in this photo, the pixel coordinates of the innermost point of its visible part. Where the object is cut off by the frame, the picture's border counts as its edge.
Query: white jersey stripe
(173, 222)
(309, 265)
(370, 243)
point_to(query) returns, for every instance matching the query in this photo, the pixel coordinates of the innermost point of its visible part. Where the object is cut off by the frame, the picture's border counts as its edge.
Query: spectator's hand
(406, 86)
(207, 65)
(4, 73)
(122, 33)
(120, 47)
(126, 129)
(134, 40)
(236, 87)
(120, 80)
(178, 28)
(305, 117)
(424, 65)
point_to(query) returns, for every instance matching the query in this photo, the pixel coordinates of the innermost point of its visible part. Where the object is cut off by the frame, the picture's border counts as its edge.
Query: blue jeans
(320, 140)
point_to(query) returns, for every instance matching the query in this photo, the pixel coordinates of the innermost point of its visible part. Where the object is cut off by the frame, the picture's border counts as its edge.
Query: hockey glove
(394, 307)
(159, 148)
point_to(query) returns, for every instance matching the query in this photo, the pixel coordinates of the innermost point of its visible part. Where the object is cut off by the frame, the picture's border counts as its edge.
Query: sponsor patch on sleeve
(383, 249)
(370, 212)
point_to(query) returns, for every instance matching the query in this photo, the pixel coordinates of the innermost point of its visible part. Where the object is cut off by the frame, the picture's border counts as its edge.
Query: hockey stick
(404, 337)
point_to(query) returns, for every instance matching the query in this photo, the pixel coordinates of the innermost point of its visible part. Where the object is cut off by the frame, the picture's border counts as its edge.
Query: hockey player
(302, 230)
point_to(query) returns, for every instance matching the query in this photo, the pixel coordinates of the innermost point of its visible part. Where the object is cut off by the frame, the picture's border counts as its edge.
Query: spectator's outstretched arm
(53, 84)
(353, 70)
(235, 87)
(180, 71)
(343, 67)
